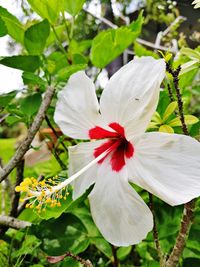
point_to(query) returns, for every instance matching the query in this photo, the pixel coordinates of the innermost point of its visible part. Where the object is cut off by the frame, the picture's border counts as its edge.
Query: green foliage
(35, 37)
(26, 63)
(47, 9)
(114, 40)
(5, 99)
(3, 28)
(51, 51)
(73, 7)
(14, 27)
(35, 100)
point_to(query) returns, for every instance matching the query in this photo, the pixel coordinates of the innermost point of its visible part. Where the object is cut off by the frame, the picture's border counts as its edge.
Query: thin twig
(161, 34)
(12, 222)
(170, 93)
(175, 74)
(23, 148)
(155, 230)
(188, 211)
(54, 131)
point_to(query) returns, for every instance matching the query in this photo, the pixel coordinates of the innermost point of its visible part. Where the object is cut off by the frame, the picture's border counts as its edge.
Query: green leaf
(66, 233)
(26, 63)
(11, 120)
(60, 32)
(169, 110)
(3, 28)
(65, 73)
(55, 62)
(123, 252)
(153, 125)
(156, 117)
(73, 7)
(166, 129)
(96, 238)
(190, 65)
(191, 53)
(31, 104)
(189, 120)
(47, 9)
(14, 27)
(79, 59)
(30, 78)
(30, 243)
(5, 99)
(114, 40)
(35, 37)
(140, 50)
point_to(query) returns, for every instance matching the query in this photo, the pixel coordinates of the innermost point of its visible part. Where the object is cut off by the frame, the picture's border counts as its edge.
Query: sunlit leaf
(47, 9)
(73, 7)
(189, 120)
(169, 110)
(166, 129)
(115, 40)
(14, 27)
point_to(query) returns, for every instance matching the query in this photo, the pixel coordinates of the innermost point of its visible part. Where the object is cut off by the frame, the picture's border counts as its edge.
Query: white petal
(131, 96)
(79, 156)
(77, 109)
(118, 211)
(168, 166)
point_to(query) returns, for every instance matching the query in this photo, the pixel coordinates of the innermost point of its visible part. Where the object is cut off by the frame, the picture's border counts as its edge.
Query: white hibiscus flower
(167, 165)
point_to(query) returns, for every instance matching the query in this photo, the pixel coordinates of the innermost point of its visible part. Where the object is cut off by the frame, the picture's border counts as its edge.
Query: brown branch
(155, 230)
(16, 197)
(188, 211)
(23, 148)
(12, 222)
(55, 259)
(186, 223)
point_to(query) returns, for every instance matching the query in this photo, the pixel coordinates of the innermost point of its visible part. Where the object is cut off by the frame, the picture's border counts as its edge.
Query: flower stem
(59, 42)
(115, 259)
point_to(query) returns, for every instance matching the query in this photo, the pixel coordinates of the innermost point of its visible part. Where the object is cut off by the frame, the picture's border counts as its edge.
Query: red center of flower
(117, 145)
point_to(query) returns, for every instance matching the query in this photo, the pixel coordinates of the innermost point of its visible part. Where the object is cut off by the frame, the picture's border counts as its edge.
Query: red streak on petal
(102, 148)
(129, 151)
(100, 133)
(117, 159)
(117, 147)
(118, 128)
